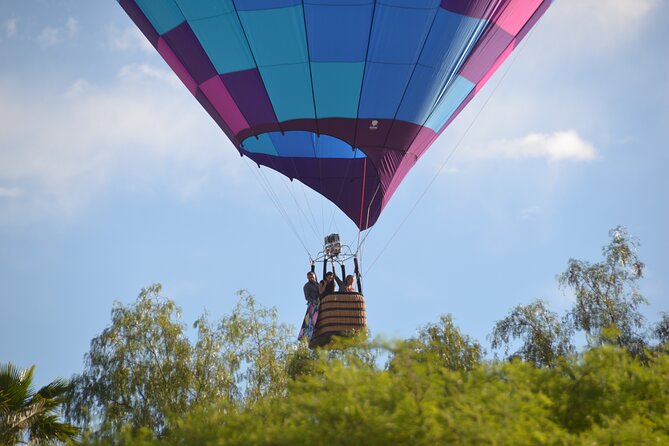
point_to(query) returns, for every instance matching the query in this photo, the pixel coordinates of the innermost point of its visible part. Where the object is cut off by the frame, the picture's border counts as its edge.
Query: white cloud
(59, 152)
(530, 213)
(555, 147)
(50, 36)
(9, 192)
(141, 72)
(78, 87)
(597, 24)
(10, 28)
(129, 39)
(72, 27)
(622, 15)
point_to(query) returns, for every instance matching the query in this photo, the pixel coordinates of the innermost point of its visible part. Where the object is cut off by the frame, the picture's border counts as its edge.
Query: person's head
(349, 280)
(329, 276)
(311, 276)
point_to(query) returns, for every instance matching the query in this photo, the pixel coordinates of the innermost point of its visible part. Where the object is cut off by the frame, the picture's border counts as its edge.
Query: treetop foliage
(143, 369)
(545, 337)
(245, 380)
(607, 396)
(607, 293)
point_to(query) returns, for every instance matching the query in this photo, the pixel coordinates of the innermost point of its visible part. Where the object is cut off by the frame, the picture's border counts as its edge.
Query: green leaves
(545, 338)
(443, 344)
(138, 368)
(258, 344)
(144, 372)
(661, 330)
(607, 295)
(26, 414)
(244, 381)
(605, 396)
(606, 309)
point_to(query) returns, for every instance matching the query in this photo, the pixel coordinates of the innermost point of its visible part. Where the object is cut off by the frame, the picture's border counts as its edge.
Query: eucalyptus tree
(443, 344)
(661, 330)
(138, 370)
(607, 294)
(143, 371)
(545, 338)
(258, 345)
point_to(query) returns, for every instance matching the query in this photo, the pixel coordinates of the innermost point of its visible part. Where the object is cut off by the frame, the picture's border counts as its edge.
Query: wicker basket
(339, 314)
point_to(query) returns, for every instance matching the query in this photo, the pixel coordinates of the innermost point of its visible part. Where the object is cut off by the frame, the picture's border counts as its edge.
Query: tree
(661, 329)
(608, 386)
(605, 396)
(544, 337)
(258, 344)
(444, 344)
(138, 370)
(144, 372)
(26, 414)
(607, 295)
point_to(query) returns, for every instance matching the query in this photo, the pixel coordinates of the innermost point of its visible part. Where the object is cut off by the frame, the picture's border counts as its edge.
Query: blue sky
(112, 178)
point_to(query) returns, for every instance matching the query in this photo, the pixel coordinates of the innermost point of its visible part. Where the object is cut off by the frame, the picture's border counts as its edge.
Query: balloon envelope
(343, 95)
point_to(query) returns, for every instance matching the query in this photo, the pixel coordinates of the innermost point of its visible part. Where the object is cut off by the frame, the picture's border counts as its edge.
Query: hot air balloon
(343, 95)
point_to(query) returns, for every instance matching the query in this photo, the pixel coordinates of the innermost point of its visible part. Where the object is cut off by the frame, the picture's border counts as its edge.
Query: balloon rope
(369, 208)
(264, 183)
(283, 180)
(448, 158)
(361, 243)
(357, 242)
(313, 217)
(298, 205)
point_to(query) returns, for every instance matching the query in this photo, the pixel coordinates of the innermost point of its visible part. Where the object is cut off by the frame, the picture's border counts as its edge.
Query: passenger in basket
(345, 286)
(311, 289)
(327, 285)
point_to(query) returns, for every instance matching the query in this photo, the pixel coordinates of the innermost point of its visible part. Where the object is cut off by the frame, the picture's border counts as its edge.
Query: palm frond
(15, 385)
(28, 414)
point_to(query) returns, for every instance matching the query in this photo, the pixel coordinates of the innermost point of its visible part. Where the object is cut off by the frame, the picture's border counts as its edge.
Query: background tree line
(244, 379)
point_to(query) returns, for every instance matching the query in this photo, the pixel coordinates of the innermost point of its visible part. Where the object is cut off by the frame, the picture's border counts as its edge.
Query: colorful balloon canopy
(342, 95)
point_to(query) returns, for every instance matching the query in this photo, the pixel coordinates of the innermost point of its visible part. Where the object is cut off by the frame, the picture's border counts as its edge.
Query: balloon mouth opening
(300, 144)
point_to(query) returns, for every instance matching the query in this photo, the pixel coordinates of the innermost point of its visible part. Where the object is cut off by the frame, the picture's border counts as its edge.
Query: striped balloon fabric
(342, 95)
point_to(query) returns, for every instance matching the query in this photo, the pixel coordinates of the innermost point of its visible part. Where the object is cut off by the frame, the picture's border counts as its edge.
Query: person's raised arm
(340, 283)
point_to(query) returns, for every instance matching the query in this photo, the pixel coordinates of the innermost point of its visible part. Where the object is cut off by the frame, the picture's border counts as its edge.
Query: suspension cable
(297, 204)
(311, 212)
(264, 183)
